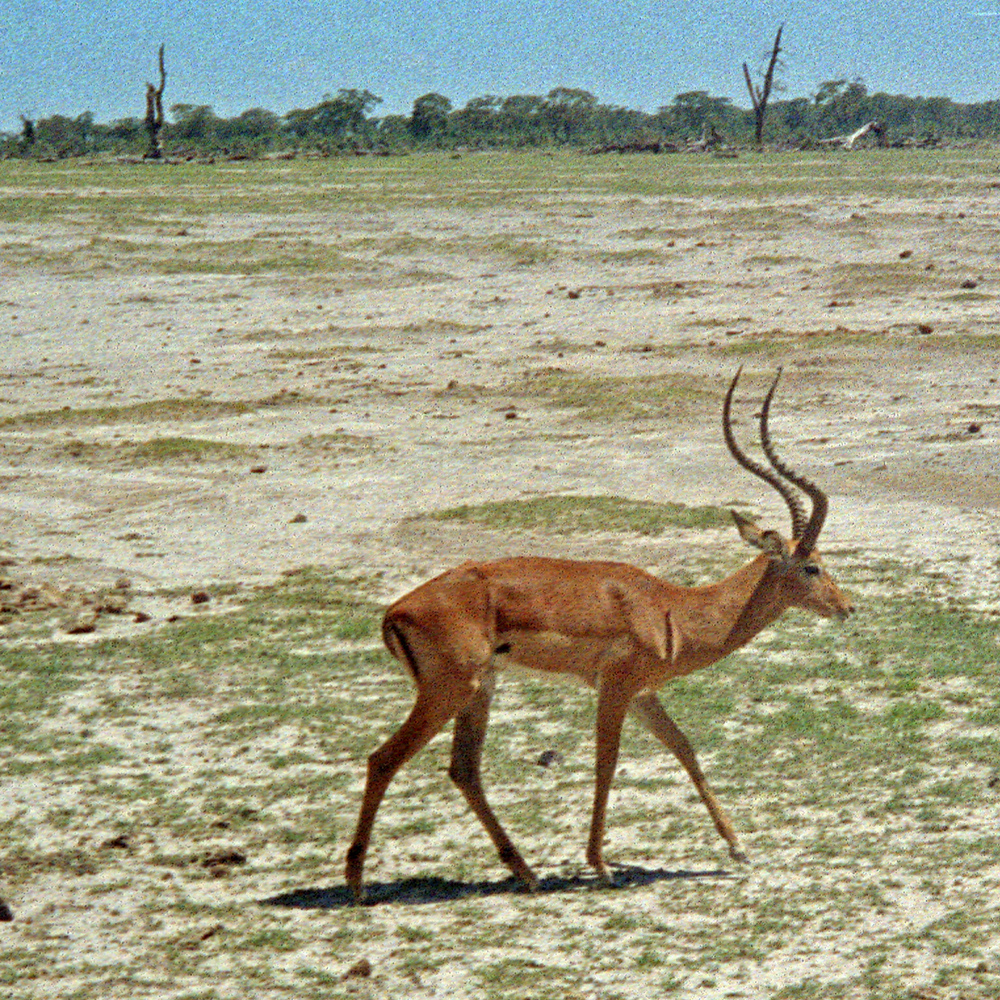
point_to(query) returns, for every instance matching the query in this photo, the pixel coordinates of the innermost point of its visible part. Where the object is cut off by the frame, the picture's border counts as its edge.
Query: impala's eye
(811, 569)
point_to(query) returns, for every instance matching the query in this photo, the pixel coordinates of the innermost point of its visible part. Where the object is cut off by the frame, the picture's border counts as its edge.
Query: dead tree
(759, 95)
(27, 138)
(154, 114)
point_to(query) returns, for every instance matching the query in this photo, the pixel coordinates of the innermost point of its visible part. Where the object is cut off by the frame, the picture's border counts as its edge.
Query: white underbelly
(556, 654)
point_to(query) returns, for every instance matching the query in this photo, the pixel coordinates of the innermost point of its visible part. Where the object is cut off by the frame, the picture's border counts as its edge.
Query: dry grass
(202, 779)
(178, 793)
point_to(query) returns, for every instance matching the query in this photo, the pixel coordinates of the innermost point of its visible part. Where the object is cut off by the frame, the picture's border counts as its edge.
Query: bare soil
(397, 394)
(439, 368)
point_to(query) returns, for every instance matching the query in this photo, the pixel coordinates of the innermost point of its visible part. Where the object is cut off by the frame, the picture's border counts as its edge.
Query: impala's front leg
(613, 699)
(648, 710)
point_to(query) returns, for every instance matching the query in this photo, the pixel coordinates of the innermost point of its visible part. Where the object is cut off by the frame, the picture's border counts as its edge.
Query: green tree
(521, 120)
(258, 123)
(340, 119)
(695, 109)
(829, 90)
(393, 132)
(194, 124)
(569, 114)
(60, 136)
(478, 122)
(124, 135)
(429, 120)
(796, 115)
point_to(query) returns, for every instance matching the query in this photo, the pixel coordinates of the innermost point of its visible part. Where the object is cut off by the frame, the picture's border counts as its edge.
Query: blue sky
(71, 57)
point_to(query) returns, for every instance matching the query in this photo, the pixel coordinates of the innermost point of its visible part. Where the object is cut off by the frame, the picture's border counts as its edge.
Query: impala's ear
(769, 542)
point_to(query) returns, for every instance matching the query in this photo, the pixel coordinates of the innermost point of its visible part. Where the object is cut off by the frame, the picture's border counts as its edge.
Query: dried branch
(154, 113)
(759, 95)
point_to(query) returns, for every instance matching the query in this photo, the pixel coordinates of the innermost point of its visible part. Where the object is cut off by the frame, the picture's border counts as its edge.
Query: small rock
(299, 519)
(549, 757)
(84, 622)
(904, 254)
(194, 940)
(113, 603)
(225, 856)
(200, 597)
(258, 469)
(970, 283)
(361, 969)
(6, 913)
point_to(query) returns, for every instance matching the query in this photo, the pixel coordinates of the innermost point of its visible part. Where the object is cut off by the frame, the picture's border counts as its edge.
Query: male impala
(621, 630)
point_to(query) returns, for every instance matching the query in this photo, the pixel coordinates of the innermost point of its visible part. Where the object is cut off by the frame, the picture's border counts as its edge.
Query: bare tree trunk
(27, 139)
(154, 114)
(759, 95)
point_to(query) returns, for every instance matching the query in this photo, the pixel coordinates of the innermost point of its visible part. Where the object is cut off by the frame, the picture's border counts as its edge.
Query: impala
(621, 630)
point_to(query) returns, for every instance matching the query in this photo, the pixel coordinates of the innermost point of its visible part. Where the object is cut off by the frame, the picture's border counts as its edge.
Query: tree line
(347, 122)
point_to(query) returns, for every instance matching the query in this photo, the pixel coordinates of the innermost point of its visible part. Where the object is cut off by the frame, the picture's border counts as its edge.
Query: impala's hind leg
(466, 757)
(427, 718)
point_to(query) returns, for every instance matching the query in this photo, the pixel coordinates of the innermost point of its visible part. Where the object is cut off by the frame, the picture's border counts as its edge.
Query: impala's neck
(714, 620)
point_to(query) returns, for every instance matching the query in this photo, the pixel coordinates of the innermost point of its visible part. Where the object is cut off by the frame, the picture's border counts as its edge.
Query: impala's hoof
(527, 878)
(738, 856)
(605, 880)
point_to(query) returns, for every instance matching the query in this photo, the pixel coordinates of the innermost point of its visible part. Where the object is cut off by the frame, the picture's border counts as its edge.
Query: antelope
(619, 629)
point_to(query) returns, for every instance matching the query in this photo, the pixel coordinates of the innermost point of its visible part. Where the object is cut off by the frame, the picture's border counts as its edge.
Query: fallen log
(848, 141)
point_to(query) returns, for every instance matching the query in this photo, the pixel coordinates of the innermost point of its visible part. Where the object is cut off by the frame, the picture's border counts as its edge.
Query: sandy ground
(414, 378)
(423, 377)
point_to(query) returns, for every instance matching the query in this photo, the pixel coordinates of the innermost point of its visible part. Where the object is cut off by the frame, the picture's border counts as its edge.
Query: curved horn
(805, 533)
(769, 477)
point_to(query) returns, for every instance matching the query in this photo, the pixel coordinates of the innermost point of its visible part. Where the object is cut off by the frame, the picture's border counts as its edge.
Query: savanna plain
(245, 405)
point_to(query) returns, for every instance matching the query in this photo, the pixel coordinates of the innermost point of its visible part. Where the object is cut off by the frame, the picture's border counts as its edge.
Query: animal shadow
(420, 891)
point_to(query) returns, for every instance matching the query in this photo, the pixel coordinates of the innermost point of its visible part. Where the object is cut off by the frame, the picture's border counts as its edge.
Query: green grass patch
(565, 515)
(521, 252)
(153, 411)
(155, 451)
(121, 198)
(853, 771)
(616, 397)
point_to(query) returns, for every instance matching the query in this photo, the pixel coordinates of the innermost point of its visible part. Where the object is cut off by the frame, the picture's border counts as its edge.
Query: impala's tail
(395, 641)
